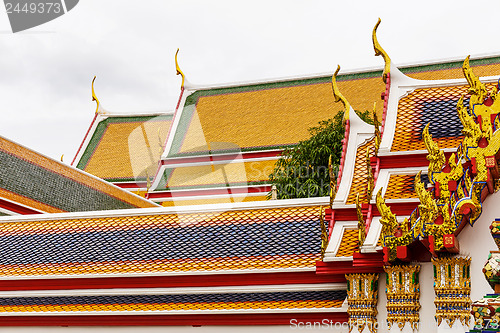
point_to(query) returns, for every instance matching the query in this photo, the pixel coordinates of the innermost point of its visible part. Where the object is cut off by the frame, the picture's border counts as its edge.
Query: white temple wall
(477, 243)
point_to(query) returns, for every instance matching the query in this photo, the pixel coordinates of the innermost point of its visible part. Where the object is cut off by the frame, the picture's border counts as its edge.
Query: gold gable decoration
(403, 295)
(393, 233)
(362, 298)
(458, 185)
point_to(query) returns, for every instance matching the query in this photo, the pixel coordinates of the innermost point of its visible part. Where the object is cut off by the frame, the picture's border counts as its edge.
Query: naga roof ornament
(361, 223)
(94, 97)
(380, 51)
(338, 95)
(178, 70)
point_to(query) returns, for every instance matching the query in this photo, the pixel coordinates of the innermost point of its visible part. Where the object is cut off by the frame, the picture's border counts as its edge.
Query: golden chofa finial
(380, 51)
(94, 97)
(477, 89)
(178, 69)
(338, 95)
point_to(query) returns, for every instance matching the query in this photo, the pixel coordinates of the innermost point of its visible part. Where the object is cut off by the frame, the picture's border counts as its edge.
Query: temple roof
(264, 116)
(233, 117)
(174, 301)
(33, 183)
(122, 148)
(280, 235)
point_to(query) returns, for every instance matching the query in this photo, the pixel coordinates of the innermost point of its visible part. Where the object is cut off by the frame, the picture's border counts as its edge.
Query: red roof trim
(199, 192)
(13, 207)
(84, 138)
(178, 320)
(215, 280)
(224, 157)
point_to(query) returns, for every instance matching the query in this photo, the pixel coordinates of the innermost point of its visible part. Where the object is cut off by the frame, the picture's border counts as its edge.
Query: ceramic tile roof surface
(256, 117)
(126, 148)
(234, 117)
(359, 177)
(188, 242)
(349, 243)
(176, 302)
(453, 70)
(402, 186)
(436, 106)
(244, 173)
(39, 182)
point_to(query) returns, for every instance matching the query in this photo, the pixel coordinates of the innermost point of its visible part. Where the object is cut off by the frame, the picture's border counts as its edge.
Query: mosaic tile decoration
(42, 183)
(403, 186)
(349, 243)
(126, 148)
(358, 184)
(232, 240)
(436, 106)
(177, 302)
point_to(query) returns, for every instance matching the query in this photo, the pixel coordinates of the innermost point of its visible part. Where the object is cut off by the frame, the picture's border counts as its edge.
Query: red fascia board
(131, 184)
(345, 214)
(13, 207)
(215, 280)
(405, 161)
(344, 267)
(177, 320)
(399, 208)
(222, 157)
(368, 259)
(201, 192)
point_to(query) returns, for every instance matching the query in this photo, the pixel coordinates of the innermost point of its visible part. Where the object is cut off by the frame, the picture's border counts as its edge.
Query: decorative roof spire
(178, 69)
(324, 234)
(477, 89)
(361, 223)
(380, 51)
(94, 97)
(338, 95)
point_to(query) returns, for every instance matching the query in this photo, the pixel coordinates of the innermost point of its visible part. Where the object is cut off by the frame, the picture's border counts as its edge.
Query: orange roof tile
(126, 147)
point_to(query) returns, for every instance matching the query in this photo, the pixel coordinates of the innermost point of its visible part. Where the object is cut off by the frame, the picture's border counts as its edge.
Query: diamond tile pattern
(360, 172)
(36, 181)
(231, 240)
(436, 106)
(349, 243)
(183, 302)
(402, 186)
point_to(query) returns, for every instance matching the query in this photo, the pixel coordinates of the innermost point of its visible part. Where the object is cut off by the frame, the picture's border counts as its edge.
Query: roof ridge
(362, 70)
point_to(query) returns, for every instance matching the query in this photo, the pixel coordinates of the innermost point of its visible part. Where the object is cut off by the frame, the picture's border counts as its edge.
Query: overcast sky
(46, 72)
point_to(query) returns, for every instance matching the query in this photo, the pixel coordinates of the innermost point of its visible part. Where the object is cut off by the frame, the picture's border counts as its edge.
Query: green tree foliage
(302, 171)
